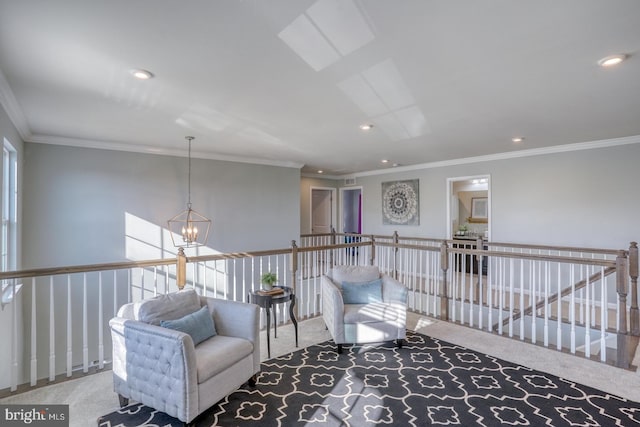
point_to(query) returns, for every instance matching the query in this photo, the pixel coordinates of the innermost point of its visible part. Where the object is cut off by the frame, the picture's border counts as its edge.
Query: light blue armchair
(163, 369)
(359, 305)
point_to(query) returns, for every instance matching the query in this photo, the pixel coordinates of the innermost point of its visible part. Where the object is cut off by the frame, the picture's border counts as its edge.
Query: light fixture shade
(189, 229)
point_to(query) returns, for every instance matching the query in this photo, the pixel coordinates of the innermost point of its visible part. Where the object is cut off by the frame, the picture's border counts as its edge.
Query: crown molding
(590, 145)
(11, 106)
(145, 149)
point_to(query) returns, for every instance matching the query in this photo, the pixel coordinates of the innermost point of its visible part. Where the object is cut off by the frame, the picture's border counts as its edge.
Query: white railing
(566, 298)
(573, 299)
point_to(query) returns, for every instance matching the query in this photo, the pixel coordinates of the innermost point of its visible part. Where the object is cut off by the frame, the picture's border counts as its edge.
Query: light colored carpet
(92, 396)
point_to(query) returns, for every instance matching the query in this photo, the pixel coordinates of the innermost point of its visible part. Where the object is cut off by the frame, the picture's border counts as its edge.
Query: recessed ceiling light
(384, 161)
(366, 126)
(320, 171)
(395, 165)
(517, 139)
(610, 61)
(142, 74)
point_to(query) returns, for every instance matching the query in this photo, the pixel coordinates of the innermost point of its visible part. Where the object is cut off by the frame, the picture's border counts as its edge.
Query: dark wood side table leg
(268, 310)
(275, 321)
(293, 317)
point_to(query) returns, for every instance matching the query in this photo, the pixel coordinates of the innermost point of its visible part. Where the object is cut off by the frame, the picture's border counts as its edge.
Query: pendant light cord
(189, 138)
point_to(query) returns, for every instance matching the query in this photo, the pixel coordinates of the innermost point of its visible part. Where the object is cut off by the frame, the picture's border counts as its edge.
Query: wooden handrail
(52, 271)
(496, 244)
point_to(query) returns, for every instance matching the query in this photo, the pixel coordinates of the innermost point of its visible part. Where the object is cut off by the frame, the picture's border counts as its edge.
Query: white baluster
(52, 332)
(522, 307)
(587, 324)
(603, 317)
(559, 303)
(100, 324)
(14, 337)
(532, 302)
(69, 328)
(572, 307)
(34, 335)
(546, 303)
(511, 295)
(85, 326)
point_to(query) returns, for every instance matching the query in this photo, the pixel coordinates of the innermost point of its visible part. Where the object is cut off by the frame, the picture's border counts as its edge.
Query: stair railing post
(622, 360)
(444, 265)
(633, 275)
(372, 259)
(181, 269)
(396, 239)
(294, 265)
(333, 243)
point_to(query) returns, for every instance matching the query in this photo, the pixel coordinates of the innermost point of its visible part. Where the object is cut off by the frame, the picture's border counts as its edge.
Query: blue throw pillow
(362, 293)
(198, 324)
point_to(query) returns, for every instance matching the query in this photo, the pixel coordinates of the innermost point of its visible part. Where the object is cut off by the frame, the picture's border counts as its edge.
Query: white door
(321, 210)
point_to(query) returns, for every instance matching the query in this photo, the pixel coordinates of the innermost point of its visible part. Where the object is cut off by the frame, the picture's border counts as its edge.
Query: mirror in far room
(469, 207)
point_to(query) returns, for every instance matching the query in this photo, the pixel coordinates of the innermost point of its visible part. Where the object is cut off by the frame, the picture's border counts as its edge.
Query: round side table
(269, 302)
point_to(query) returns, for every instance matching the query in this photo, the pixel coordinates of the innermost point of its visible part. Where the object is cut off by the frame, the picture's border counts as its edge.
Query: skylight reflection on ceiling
(361, 93)
(327, 31)
(381, 93)
(202, 119)
(386, 81)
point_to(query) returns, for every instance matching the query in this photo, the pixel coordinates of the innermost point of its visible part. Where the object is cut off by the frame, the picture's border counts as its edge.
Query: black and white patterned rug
(427, 382)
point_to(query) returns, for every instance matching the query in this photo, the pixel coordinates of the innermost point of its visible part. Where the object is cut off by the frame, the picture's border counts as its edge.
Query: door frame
(334, 210)
(450, 182)
(342, 190)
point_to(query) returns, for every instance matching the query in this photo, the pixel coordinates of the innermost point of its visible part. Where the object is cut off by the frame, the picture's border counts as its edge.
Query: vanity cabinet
(467, 262)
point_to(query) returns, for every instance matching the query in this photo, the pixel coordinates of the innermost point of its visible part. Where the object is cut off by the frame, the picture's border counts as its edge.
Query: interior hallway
(92, 396)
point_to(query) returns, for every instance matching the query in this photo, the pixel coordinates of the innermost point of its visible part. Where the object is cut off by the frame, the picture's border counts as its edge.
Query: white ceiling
(289, 81)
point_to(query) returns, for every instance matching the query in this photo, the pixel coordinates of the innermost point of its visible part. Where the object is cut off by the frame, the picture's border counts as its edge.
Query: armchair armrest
(333, 309)
(237, 319)
(393, 292)
(155, 365)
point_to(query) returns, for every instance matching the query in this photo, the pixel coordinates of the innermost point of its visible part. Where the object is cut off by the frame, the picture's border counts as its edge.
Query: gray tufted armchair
(163, 369)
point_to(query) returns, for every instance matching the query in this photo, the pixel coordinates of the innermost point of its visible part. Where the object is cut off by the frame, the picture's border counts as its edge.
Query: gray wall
(582, 198)
(76, 201)
(84, 206)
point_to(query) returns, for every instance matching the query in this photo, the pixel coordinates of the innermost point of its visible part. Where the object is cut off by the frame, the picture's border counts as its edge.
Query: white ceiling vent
(350, 181)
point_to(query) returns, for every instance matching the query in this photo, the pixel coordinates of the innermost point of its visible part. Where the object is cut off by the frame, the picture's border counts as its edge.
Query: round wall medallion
(400, 203)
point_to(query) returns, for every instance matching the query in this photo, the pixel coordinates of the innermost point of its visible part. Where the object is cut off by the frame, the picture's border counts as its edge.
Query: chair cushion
(362, 293)
(167, 307)
(199, 325)
(369, 313)
(354, 273)
(218, 354)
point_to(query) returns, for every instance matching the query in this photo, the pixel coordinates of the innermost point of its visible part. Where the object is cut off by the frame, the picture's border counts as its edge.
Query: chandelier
(189, 229)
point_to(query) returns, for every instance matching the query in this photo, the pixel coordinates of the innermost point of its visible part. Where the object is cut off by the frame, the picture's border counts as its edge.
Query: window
(9, 206)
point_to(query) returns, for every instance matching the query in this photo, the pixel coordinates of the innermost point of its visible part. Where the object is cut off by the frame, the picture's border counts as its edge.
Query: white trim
(136, 148)
(590, 145)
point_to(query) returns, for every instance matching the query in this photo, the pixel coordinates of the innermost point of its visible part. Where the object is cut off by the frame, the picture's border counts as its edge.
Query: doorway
(469, 207)
(351, 209)
(323, 210)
